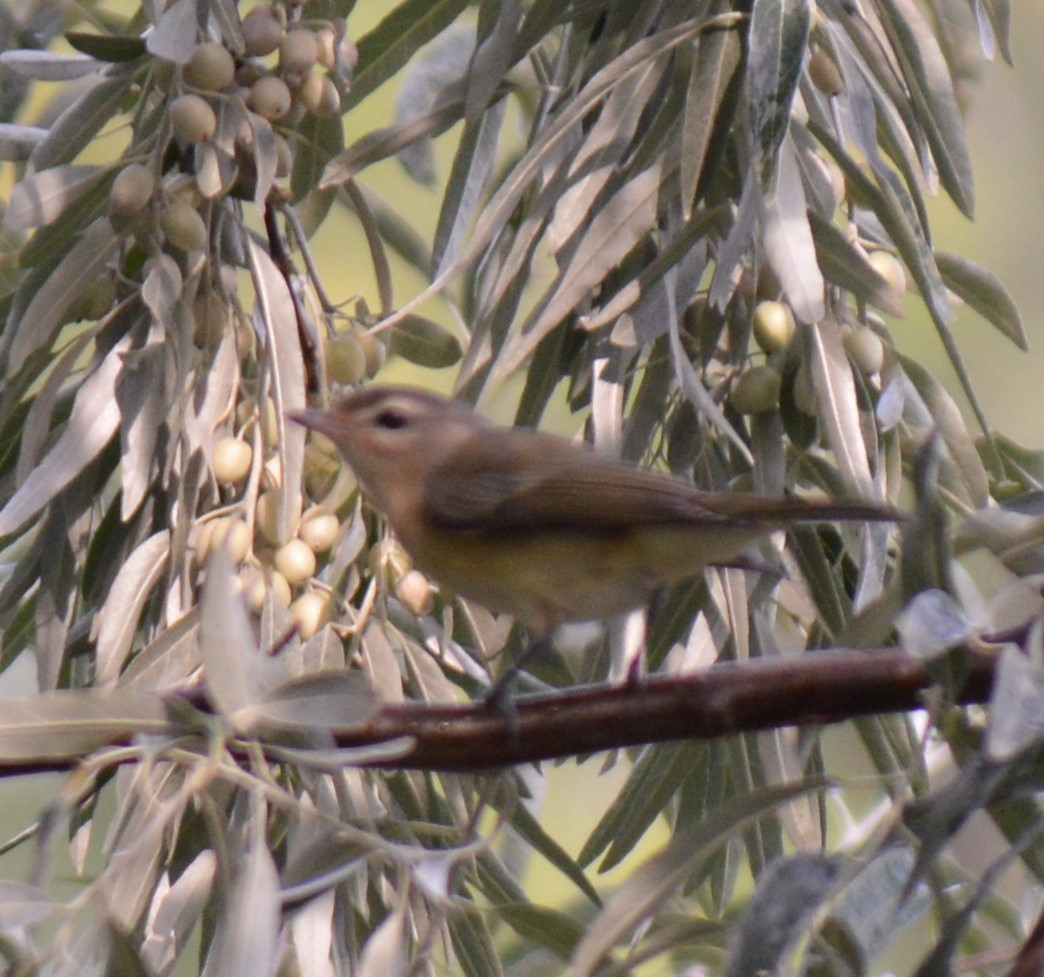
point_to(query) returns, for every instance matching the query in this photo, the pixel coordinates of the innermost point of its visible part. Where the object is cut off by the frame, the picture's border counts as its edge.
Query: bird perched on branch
(537, 526)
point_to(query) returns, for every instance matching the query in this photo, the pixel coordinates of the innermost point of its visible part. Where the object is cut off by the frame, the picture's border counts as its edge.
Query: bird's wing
(521, 479)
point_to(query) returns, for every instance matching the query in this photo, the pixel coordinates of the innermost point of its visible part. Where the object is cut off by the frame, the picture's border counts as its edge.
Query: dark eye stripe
(390, 419)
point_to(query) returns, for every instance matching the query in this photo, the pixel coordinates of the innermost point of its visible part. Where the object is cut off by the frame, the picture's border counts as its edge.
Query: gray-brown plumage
(532, 524)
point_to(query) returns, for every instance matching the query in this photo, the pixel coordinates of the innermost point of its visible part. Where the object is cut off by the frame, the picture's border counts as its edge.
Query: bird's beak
(313, 418)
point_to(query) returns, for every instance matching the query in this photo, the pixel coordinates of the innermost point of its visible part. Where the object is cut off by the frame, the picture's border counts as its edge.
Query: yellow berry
(773, 326)
(131, 190)
(298, 51)
(889, 268)
(310, 612)
(231, 460)
(270, 97)
(254, 588)
(318, 95)
(346, 360)
(319, 531)
(414, 591)
(211, 67)
(280, 587)
(388, 557)
(295, 561)
(232, 534)
(262, 30)
(865, 350)
(825, 74)
(192, 119)
(199, 539)
(372, 346)
(756, 391)
(349, 53)
(325, 39)
(183, 227)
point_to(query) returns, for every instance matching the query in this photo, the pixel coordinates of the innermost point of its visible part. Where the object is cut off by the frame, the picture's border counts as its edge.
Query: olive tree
(692, 225)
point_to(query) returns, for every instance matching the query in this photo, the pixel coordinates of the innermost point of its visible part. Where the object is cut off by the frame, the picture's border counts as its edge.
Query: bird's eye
(391, 419)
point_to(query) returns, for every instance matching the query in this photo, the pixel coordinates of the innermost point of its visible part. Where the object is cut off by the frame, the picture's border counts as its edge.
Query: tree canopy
(694, 224)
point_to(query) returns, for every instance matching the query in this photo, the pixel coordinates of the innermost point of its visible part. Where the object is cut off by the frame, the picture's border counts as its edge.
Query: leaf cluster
(628, 186)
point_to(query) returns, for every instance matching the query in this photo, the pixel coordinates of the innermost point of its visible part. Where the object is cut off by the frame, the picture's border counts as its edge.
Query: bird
(538, 526)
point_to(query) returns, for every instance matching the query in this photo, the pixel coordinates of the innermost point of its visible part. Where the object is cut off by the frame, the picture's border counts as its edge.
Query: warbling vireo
(537, 526)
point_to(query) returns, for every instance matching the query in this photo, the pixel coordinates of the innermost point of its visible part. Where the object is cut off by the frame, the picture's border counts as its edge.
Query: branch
(811, 689)
(58, 730)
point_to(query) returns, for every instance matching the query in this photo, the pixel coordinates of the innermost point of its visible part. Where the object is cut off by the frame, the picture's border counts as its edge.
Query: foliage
(675, 166)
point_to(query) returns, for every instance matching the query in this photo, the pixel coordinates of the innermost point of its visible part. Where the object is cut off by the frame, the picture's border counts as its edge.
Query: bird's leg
(637, 666)
(627, 638)
(497, 697)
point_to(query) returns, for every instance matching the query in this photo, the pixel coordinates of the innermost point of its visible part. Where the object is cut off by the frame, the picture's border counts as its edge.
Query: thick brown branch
(810, 689)
(815, 688)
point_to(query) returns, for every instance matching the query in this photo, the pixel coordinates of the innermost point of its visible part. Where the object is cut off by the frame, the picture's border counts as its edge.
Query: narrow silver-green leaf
(442, 64)
(778, 36)
(600, 156)
(549, 145)
(239, 673)
(845, 266)
(834, 384)
(999, 14)
(495, 53)
(23, 905)
(39, 323)
(37, 426)
(982, 290)
(174, 912)
(788, 894)
(319, 703)
(283, 348)
(1016, 705)
(117, 620)
(713, 69)
(659, 876)
(382, 143)
(533, 833)
(554, 930)
(653, 781)
(616, 228)
(886, 198)
(107, 47)
(470, 176)
(396, 39)
(787, 239)
(39, 198)
(93, 421)
(173, 36)
(18, 142)
(48, 65)
(932, 91)
(70, 724)
(168, 661)
(77, 126)
(384, 952)
(942, 412)
(424, 342)
(246, 942)
(320, 139)
(144, 401)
